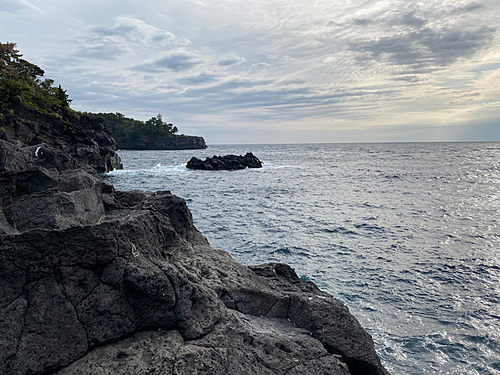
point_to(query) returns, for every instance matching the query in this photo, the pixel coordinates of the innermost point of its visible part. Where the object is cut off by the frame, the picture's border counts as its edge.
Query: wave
(181, 168)
(341, 230)
(157, 169)
(276, 166)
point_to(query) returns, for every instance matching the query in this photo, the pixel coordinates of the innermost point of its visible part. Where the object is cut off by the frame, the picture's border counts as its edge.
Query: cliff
(153, 134)
(176, 142)
(98, 281)
(83, 138)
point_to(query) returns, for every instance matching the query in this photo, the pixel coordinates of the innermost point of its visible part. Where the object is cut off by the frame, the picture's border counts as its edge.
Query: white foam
(157, 169)
(274, 166)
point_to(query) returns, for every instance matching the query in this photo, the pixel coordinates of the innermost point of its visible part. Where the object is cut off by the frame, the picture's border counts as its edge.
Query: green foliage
(122, 126)
(155, 127)
(21, 81)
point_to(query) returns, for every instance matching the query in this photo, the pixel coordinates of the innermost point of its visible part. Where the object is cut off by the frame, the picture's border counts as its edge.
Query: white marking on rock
(135, 252)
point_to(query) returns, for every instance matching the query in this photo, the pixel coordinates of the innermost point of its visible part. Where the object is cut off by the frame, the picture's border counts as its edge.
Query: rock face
(228, 162)
(168, 143)
(80, 136)
(98, 281)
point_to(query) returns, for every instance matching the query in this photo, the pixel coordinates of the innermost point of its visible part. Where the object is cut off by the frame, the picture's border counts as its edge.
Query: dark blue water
(406, 235)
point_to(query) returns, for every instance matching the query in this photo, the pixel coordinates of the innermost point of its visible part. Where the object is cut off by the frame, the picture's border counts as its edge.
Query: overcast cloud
(275, 71)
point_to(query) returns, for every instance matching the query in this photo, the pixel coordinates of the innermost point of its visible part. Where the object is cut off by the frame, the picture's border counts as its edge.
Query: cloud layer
(318, 71)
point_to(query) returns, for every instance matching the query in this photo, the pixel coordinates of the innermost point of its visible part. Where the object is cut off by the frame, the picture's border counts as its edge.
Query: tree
(123, 127)
(156, 127)
(20, 81)
(8, 54)
(155, 121)
(61, 95)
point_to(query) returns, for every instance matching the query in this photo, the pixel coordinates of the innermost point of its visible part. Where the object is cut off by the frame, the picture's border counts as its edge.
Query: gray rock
(17, 159)
(45, 199)
(227, 162)
(11, 328)
(52, 336)
(177, 142)
(150, 294)
(80, 137)
(143, 353)
(239, 344)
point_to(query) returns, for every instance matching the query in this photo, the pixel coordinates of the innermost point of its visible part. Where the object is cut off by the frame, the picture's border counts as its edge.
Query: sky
(275, 71)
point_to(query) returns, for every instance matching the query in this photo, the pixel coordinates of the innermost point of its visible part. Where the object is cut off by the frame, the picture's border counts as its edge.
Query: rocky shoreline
(99, 281)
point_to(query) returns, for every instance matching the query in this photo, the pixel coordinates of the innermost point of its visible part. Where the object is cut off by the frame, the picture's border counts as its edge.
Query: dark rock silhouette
(99, 281)
(82, 137)
(178, 142)
(228, 162)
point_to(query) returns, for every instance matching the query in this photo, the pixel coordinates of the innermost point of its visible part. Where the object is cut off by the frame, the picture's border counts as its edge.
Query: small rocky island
(99, 281)
(228, 162)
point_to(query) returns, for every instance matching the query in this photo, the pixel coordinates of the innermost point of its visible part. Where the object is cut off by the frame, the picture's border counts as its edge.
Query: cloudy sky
(275, 71)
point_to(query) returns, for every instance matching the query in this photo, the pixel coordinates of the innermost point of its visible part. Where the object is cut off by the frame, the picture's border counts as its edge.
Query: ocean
(405, 234)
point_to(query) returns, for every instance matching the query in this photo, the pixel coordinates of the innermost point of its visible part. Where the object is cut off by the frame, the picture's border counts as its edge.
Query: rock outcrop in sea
(227, 162)
(99, 281)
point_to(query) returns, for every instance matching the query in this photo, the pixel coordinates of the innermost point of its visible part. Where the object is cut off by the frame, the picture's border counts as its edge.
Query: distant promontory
(153, 134)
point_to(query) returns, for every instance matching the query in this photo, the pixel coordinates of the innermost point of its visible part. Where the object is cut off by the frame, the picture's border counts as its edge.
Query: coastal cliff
(153, 134)
(99, 281)
(177, 142)
(83, 138)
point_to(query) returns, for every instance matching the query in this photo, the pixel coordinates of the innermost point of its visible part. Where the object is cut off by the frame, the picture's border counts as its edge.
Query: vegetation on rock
(35, 113)
(125, 127)
(22, 85)
(21, 82)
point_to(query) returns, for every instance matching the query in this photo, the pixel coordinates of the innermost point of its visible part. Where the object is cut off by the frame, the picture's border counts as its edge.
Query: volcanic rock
(99, 281)
(177, 142)
(228, 162)
(82, 137)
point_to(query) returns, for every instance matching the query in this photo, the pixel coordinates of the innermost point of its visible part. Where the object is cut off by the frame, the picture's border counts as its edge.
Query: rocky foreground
(99, 281)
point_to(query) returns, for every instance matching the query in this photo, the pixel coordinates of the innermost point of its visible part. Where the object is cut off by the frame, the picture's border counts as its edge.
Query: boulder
(228, 162)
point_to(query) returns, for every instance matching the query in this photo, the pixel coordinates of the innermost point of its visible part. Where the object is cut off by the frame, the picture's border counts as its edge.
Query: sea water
(406, 235)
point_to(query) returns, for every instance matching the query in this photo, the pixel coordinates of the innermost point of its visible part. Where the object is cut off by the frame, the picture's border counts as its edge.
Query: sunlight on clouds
(128, 31)
(139, 30)
(232, 59)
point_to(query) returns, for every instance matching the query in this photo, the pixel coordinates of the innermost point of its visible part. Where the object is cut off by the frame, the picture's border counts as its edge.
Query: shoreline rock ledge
(99, 281)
